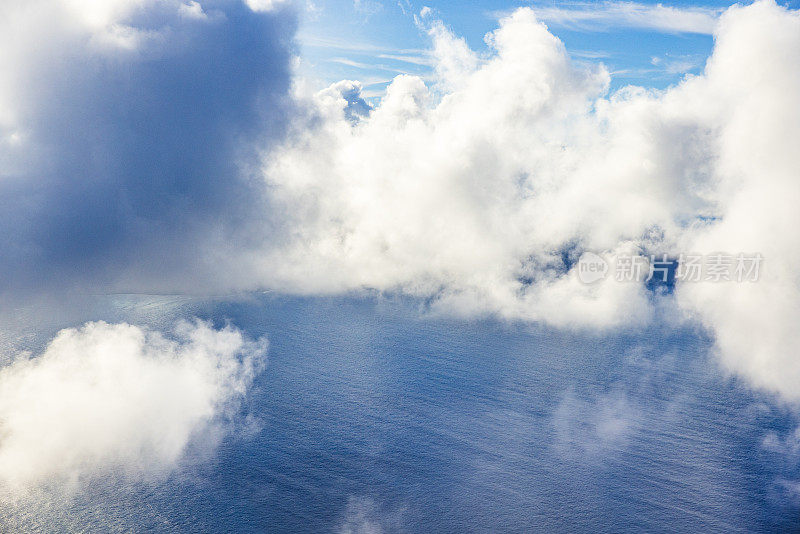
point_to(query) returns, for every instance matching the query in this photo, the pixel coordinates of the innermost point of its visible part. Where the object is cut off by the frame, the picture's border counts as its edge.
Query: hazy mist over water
(371, 418)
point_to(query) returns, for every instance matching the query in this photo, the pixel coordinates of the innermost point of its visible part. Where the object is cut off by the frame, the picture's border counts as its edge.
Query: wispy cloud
(678, 64)
(586, 16)
(589, 54)
(367, 8)
(415, 59)
(351, 63)
(370, 67)
(332, 43)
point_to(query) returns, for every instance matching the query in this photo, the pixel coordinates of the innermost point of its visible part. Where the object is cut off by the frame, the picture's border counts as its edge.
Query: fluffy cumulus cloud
(120, 400)
(750, 97)
(481, 188)
(475, 190)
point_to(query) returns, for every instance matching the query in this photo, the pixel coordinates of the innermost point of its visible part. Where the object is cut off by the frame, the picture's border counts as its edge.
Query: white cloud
(677, 64)
(591, 429)
(193, 10)
(480, 189)
(602, 16)
(750, 95)
(119, 400)
(367, 8)
(363, 516)
(265, 5)
(422, 60)
(472, 195)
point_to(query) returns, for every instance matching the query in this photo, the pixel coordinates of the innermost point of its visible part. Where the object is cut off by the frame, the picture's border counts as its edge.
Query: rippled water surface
(371, 417)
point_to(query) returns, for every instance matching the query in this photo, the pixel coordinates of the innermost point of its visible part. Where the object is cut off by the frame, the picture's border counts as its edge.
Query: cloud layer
(128, 135)
(156, 146)
(119, 400)
(480, 190)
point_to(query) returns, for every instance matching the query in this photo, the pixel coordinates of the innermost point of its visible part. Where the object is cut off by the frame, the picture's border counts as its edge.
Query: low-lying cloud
(480, 190)
(118, 400)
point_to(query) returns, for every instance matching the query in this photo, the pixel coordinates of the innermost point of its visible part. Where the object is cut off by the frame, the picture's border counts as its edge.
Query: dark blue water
(371, 418)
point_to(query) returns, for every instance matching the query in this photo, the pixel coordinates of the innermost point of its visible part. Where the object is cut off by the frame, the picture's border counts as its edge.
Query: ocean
(373, 416)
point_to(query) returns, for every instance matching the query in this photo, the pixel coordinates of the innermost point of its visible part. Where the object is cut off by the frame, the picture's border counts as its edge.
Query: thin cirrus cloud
(653, 17)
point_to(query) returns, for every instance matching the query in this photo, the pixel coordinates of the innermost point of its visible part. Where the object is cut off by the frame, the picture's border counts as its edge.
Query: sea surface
(373, 416)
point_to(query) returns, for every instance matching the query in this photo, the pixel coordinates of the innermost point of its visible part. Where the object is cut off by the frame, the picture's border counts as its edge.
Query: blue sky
(374, 40)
